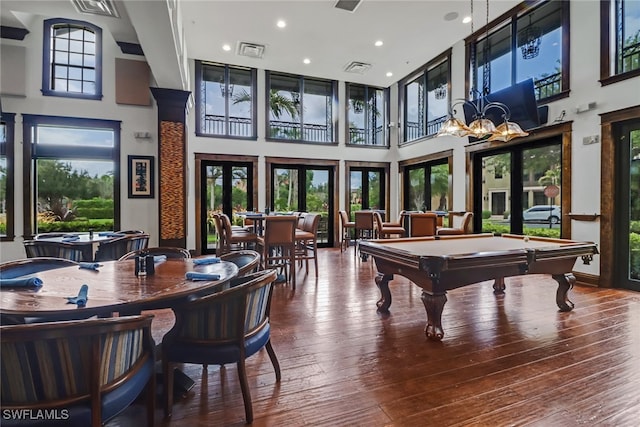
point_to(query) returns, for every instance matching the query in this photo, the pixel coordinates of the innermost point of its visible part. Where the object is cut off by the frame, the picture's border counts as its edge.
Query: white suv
(542, 213)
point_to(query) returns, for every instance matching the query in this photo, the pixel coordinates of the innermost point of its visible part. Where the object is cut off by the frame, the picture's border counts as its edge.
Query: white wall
(136, 213)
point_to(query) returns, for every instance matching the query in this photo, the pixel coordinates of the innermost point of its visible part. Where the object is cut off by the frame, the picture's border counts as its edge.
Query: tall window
(366, 115)
(72, 59)
(426, 186)
(225, 101)
(620, 55)
(6, 176)
(426, 99)
(301, 109)
(533, 45)
(75, 168)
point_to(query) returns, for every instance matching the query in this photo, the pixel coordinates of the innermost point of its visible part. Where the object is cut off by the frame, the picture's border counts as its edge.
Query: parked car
(542, 213)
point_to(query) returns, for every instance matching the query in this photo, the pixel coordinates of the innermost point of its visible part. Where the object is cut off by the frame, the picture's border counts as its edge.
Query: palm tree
(278, 104)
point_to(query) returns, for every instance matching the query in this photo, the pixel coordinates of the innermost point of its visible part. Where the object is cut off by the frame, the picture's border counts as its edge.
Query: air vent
(348, 5)
(96, 7)
(252, 50)
(357, 67)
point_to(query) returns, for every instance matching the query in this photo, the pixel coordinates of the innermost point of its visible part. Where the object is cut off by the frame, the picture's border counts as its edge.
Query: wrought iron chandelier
(529, 40)
(481, 126)
(225, 90)
(441, 91)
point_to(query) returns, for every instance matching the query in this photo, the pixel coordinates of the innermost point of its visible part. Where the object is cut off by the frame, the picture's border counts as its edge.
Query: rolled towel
(81, 299)
(205, 261)
(90, 265)
(70, 238)
(159, 258)
(23, 282)
(194, 275)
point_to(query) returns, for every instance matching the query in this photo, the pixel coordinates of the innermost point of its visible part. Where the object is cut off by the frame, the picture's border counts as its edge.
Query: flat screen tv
(521, 101)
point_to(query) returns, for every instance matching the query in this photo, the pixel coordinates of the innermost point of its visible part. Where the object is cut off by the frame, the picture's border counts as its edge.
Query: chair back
(130, 232)
(72, 251)
(115, 249)
(23, 267)
(78, 366)
(462, 222)
(311, 223)
(423, 224)
(168, 251)
(223, 241)
(344, 217)
(247, 261)
(280, 230)
(378, 220)
(364, 220)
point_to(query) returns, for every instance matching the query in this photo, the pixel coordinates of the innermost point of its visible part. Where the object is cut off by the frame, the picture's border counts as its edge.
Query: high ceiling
(412, 32)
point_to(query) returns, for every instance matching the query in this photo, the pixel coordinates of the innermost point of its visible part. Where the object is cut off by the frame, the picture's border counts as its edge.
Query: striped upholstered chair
(72, 251)
(225, 327)
(82, 373)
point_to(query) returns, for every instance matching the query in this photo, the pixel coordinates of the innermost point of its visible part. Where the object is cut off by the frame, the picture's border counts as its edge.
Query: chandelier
(481, 126)
(441, 91)
(225, 90)
(529, 41)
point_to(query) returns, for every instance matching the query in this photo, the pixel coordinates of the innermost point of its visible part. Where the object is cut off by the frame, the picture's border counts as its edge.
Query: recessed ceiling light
(281, 23)
(379, 43)
(389, 74)
(226, 47)
(466, 19)
(306, 61)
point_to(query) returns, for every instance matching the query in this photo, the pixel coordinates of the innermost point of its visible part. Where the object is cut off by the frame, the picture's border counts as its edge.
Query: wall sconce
(142, 135)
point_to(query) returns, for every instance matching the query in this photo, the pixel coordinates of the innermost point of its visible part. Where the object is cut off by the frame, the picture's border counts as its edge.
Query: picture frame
(141, 177)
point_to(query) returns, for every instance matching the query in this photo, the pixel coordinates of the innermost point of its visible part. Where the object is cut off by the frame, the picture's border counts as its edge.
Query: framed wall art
(141, 174)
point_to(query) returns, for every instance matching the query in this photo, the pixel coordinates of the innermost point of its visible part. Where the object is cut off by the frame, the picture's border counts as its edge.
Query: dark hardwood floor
(505, 360)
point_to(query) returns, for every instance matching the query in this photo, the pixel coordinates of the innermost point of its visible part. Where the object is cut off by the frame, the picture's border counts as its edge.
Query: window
(620, 52)
(427, 186)
(6, 176)
(533, 45)
(74, 165)
(366, 115)
(301, 109)
(426, 99)
(367, 187)
(72, 64)
(225, 101)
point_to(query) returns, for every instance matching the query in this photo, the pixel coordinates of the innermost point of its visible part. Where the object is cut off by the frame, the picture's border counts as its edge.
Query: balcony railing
(414, 129)
(238, 126)
(291, 130)
(360, 136)
(548, 86)
(630, 57)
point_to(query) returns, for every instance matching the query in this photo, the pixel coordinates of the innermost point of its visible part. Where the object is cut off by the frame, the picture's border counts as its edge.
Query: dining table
(113, 287)
(88, 242)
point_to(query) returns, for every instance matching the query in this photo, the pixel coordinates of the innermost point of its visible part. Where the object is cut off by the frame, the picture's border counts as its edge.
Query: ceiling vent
(357, 67)
(348, 5)
(96, 7)
(252, 50)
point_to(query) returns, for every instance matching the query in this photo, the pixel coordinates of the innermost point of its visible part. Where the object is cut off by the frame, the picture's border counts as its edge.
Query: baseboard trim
(587, 279)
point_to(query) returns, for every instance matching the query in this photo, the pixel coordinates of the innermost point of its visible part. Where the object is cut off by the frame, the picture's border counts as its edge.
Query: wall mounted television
(521, 101)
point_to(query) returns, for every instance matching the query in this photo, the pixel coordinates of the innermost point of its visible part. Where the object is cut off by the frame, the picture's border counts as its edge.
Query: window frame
(607, 75)
(384, 110)
(7, 149)
(510, 19)
(422, 72)
(301, 80)
(47, 74)
(29, 123)
(199, 68)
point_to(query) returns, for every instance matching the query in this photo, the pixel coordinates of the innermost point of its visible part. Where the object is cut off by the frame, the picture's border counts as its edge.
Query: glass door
(628, 206)
(305, 189)
(366, 190)
(427, 186)
(227, 187)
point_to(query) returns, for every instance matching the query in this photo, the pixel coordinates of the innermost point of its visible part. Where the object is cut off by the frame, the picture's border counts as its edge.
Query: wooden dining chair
(423, 224)
(278, 245)
(346, 226)
(90, 369)
(225, 327)
(364, 228)
(238, 237)
(459, 224)
(307, 241)
(386, 231)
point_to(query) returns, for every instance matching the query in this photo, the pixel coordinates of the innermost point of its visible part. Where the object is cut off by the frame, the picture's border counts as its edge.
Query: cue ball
(526, 238)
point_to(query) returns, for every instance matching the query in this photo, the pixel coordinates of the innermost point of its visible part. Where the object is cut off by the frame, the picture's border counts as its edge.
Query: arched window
(72, 59)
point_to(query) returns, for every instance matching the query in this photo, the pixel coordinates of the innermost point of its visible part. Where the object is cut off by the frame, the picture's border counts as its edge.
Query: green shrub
(95, 208)
(506, 214)
(75, 226)
(634, 254)
(486, 214)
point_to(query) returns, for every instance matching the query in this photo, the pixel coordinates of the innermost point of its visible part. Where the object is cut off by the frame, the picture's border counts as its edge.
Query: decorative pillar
(172, 166)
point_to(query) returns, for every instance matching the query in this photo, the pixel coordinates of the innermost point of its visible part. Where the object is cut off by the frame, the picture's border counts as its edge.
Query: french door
(226, 187)
(426, 186)
(305, 188)
(366, 189)
(627, 205)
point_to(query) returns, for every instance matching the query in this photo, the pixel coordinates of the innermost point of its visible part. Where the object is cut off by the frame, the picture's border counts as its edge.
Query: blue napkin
(90, 265)
(110, 234)
(70, 238)
(159, 258)
(81, 299)
(194, 275)
(23, 282)
(205, 261)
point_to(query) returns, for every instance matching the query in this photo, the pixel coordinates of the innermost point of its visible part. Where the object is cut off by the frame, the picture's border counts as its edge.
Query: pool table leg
(565, 282)
(499, 286)
(434, 304)
(382, 281)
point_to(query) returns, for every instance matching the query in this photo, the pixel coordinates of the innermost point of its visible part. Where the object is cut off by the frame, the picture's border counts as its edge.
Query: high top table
(112, 288)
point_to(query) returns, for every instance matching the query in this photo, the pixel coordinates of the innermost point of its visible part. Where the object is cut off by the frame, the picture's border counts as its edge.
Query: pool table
(438, 264)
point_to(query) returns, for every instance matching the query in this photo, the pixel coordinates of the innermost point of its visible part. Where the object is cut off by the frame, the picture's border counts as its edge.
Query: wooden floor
(505, 360)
